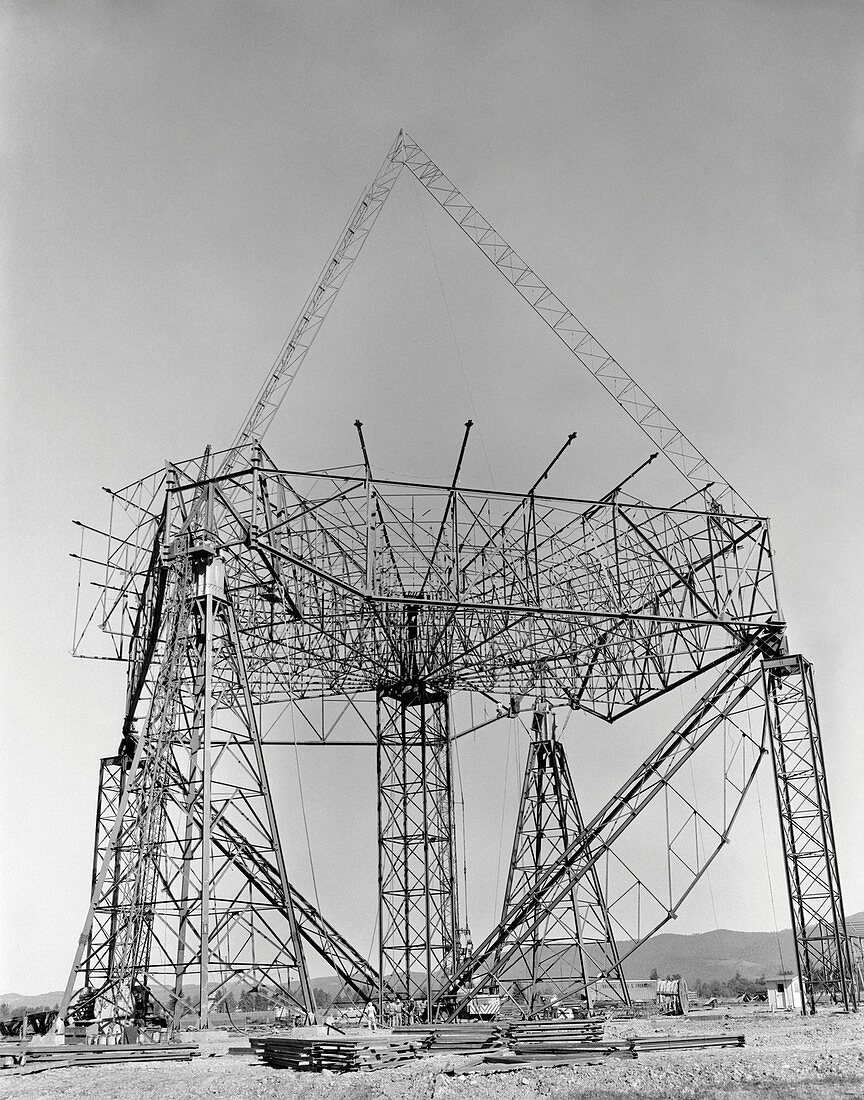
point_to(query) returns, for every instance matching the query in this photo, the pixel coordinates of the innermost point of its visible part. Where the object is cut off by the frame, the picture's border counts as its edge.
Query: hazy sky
(686, 176)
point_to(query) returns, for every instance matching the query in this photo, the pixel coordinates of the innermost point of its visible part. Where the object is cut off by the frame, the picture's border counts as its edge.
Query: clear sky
(687, 177)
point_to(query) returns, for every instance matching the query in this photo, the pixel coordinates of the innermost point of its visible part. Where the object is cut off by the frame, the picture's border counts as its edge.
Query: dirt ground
(785, 1058)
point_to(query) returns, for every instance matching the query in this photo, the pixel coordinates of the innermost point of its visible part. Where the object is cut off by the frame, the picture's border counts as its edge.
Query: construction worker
(128, 745)
(82, 1007)
(370, 1016)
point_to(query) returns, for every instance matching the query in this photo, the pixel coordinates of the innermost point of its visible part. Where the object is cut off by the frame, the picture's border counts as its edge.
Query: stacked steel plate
(92, 1055)
(505, 1044)
(528, 1032)
(554, 1042)
(559, 1042)
(468, 1038)
(342, 1054)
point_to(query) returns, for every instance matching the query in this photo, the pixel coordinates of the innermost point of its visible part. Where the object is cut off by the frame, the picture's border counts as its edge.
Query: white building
(784, 993)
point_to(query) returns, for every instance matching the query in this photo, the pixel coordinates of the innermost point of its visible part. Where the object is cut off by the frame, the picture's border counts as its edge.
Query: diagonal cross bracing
(738, 686)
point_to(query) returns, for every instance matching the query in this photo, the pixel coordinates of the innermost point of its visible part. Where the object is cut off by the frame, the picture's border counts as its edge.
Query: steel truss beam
(822, 945)
(418, 917)
(574, 942)
(317, 932)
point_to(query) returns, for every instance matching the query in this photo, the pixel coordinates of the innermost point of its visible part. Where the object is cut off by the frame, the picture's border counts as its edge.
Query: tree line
(8, 1011)
(731, 988)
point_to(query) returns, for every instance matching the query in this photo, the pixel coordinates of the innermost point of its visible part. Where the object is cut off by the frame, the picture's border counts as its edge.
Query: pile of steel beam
(555, 1042)
(340, 1055)
(552, 1045)
(526, 1032)
(468, 1038)
(684, 1042)
(27, 1056)
(531, 1042)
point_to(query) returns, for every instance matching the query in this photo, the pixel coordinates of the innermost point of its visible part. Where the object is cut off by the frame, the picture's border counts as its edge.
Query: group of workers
(337, 1020)
(404, 1011)
(398, 1012)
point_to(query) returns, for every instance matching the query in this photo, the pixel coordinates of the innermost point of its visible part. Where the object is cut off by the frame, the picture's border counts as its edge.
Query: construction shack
(784, 993)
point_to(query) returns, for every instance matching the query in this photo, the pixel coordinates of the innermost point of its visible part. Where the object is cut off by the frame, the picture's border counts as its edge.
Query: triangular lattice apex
(684, 456)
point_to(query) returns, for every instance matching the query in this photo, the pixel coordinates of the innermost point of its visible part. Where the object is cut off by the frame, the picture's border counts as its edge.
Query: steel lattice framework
(229, 583)
(341, 588)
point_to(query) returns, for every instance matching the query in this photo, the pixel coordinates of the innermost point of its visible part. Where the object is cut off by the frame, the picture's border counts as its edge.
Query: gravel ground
(786, 1058)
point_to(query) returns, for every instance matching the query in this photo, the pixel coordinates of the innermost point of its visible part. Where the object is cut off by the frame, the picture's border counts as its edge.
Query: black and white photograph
(433, 603)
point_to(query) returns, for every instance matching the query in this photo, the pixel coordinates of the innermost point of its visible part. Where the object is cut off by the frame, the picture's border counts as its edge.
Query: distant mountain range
(704, 956)
(718, 954)
(709, 955)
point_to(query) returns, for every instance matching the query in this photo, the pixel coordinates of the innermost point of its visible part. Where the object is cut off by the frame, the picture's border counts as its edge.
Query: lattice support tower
(573, 945)
(416, 843)
(178, 918)
(718, 731)
(822, 947)
(98, 960)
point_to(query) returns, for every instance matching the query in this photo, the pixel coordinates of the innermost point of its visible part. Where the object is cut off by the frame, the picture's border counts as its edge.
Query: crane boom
(629, 395)
(317, 306)
(671, 441)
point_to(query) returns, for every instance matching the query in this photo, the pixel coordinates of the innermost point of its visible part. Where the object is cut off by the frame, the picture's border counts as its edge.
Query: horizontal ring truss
(345, 582)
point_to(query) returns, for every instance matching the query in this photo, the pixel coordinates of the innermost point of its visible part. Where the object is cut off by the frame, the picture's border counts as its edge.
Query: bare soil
(785, 1058)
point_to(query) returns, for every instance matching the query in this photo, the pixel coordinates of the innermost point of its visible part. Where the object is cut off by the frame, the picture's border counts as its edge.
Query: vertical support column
(112, 775)
(206, 809)
(416, 844)
(815, 898)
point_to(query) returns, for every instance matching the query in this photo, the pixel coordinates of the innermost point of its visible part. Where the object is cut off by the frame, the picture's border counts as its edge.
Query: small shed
(784, 993)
